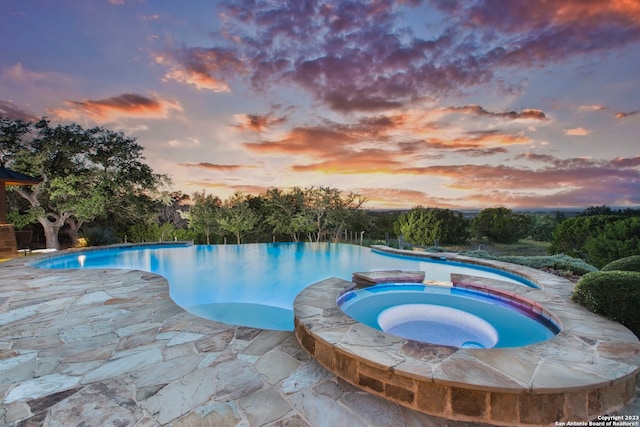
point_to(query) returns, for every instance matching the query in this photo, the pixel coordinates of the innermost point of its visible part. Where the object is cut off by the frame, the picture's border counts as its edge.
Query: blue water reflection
(250, 284)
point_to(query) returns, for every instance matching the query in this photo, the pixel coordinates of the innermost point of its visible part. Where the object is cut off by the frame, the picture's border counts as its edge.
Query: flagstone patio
(109, 347)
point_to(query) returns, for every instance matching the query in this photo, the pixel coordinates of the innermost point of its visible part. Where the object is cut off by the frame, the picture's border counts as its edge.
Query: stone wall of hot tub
(590, 368)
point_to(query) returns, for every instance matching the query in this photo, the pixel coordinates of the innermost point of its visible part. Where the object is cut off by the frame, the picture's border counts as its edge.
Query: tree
(430, 226)
(328, 210)
(236, 216)
(542, 226)
(282, 209)
(203, 214)
(572, 234)
(174, 209)
(499, 225)
(86, 174)
(597, 210)
(618, 239)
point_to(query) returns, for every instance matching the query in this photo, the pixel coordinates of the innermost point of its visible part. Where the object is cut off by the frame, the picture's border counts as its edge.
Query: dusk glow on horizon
(454, 104)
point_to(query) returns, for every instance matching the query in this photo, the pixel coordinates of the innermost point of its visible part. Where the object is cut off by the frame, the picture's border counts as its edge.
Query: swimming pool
(252, 284)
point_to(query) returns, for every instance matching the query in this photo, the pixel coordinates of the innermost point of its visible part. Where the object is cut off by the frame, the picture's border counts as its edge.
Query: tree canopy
(86, 174)
(431, 226)
(500, 225)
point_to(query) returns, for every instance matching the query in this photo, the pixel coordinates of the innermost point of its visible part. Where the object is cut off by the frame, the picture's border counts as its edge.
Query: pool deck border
(590, 368)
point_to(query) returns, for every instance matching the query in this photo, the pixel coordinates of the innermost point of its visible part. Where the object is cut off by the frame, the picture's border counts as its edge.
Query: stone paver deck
(109, 347)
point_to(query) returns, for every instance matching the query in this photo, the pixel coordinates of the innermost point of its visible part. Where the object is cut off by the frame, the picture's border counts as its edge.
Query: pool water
(458, 317)
(251, 284)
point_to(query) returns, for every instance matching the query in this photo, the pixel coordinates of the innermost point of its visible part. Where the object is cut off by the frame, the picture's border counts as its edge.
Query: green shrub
(479, 253)
(100, 236)
(616, 240)
(558, 262)
(630, 263)
(615, 294)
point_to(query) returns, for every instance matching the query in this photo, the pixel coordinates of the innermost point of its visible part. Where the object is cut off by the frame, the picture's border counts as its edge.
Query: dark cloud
(257, 122)
(354, 56)
(533, 33)
(623, 115)
(205, 68)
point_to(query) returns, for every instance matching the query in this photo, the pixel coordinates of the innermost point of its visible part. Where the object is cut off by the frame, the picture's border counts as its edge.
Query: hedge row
(559, 262)
(615, 294)
(630, 263)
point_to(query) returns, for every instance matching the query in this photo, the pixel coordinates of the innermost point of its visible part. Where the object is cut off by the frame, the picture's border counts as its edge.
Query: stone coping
(589, 368)
(34, 261)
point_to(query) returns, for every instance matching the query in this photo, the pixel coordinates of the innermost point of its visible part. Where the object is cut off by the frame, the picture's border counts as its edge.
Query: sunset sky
(447, 103)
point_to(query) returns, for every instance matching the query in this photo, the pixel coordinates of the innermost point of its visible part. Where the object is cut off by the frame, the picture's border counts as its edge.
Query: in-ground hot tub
(452, 316)
(591, 367)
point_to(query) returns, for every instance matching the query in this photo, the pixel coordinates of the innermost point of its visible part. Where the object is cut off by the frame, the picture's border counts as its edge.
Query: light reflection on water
(251, 284)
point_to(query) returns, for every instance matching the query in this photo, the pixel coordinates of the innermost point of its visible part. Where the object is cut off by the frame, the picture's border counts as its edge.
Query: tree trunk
(74, 233)
(51, 230)
(238, 237)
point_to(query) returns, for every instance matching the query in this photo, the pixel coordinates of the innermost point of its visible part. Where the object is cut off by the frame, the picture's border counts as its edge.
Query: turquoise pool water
(251, 284)
(442, 315)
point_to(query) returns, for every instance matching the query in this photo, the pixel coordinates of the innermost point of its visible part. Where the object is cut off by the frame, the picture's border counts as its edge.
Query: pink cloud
(125, 105)
(215, 167)
(11, 111)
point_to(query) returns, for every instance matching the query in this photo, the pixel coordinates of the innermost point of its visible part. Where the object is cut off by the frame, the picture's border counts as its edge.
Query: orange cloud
(125, 105)
(306, 141)
(526, 114)
(197, 79)
(580, 131)
(365, 161)
(402, 198)
(207, 69)
(230, 188)
(215, 167)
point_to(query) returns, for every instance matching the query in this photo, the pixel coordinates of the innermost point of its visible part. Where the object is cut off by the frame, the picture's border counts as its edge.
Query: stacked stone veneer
(590, 368)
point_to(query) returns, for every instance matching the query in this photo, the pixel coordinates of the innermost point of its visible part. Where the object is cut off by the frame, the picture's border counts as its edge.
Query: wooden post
(3, 203)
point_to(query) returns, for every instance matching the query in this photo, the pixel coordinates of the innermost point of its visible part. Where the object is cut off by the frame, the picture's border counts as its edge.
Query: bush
(615, 294)
(616, 240)
(630, 263)
(479, 253)
(558, 262)
(100, 236)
